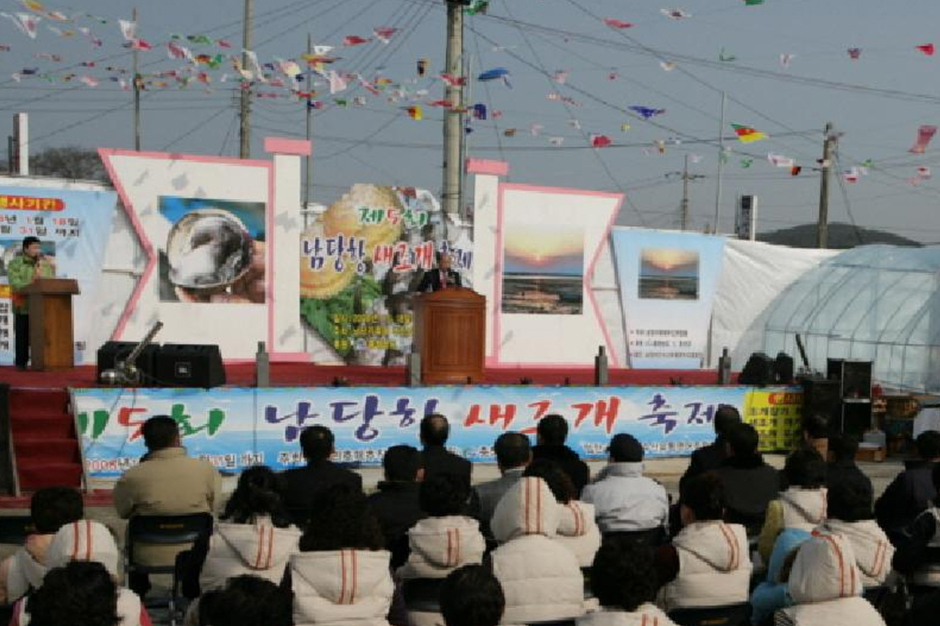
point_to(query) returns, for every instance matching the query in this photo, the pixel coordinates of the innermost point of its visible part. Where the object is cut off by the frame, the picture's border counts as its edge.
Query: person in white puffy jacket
(826, 587)
(623, 579)
(802, 505)
(341, 577)
(541, 579)
(707, 564)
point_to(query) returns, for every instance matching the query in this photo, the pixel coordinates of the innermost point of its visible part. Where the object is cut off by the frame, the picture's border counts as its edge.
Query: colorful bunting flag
(778, 160)
(726, 58)
(128, 29)
(354, 40)
(746, 134)
(477, 7)
(422, 66)
(454, 81)
(646, 112)
(924, 134)
(337, 82)
(384, 33)
(556, 141)
(615, 23)
(786, 59)
(753, 3)
(600, 141)
(926, 48)
(415, 112)
(855, 53)
(675, 14)
(25, 23)
(795, 170)
(667, 66)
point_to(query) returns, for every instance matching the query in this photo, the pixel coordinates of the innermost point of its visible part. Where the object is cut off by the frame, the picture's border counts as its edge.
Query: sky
(876, 102)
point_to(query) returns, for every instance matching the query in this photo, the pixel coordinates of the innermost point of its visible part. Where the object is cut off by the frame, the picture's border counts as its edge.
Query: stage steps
(44, 439)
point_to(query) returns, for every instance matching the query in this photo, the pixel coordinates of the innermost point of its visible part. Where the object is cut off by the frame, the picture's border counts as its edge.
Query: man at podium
(26, 267)
(441, 278)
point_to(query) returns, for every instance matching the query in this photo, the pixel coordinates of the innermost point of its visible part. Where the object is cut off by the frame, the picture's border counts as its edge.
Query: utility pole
(822, 226)
(721, 163)
(684, 206)
(308, 161)
(137, 86)
(244, 150)
(453, 116)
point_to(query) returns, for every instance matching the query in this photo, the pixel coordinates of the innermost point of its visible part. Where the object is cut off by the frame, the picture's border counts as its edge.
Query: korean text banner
(74, 226)
(238, 427)
(667, 288)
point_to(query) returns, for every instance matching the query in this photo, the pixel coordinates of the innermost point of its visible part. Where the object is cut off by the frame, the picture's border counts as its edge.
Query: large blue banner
(239, 427)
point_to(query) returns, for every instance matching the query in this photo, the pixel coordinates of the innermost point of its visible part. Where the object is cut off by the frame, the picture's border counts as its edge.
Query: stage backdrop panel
(239, 427)
(74, 222)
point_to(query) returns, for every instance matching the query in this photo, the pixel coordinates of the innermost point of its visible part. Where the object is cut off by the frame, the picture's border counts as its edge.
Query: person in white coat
(541, 579)
(802, 505)
(341, 576)
(826, 587)
(707, 564)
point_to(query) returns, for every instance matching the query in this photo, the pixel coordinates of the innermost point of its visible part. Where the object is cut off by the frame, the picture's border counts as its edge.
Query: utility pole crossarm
(822, 226)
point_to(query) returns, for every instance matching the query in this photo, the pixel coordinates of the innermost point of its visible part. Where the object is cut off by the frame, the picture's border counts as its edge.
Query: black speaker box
(759, 370)
(190, 365)
(855, 377)
(824, 396)
(114, 351)
(783, 368)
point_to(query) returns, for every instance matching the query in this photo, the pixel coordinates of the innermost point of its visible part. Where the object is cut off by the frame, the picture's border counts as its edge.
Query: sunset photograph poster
(543, 270)
(669, 274)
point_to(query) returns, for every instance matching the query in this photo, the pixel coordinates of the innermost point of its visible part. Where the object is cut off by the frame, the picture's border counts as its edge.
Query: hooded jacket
(260, 549)
(799, 508)
(541, 579)
(439, 545)
(26, 567)
(826, 587)
(873, 551)
(341, 588)
(84, 540)
(578, 531)
(626, 500)
(714, 567)
(644, 615)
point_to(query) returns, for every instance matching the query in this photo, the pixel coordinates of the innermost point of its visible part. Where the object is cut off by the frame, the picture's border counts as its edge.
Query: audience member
(513, 454)
(911, 491)
(541, 579)
(842, 449)
(850, 515)
(435, 429)
(918, 545)
(624, 500)
(396, 504)
(771, 594)
(713, 456)
(342, 574)
(49, 509)
(707, 563)
(826, 589)
(165, 482)
(551, 434)
(815, 432)
(577, 529)
(471, 596)
(623, 579)
(246, 601)
(749, 484)
(802, 505)
(301, 485)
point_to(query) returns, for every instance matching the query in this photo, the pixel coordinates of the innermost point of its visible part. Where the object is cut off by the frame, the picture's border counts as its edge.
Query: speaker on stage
(759, 370)
(823, 396)
(783, 368)
(112, 352)
(190, 365)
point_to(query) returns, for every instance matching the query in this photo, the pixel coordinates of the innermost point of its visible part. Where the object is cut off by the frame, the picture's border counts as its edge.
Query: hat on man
(625, 448)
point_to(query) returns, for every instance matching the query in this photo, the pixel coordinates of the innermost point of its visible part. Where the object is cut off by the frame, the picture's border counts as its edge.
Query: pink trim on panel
(291, 357)
(498, 278)
(589, 282)
(192, 158)
(269, 251)
(282, 145)
(487, 166)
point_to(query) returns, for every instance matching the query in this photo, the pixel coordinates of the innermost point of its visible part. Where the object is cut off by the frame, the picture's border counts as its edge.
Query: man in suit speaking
(441, 278)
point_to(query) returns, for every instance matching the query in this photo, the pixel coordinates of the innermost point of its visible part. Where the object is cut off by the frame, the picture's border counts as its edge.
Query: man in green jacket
(22, 270)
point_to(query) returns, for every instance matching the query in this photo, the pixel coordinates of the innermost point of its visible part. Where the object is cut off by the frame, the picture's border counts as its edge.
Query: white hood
(260, 549)
(715, 543)
(803, 508)
(341, 588)
(527, 508)
(873, 549)
(644, 615)
(27, 566)
(84, 540)
(441, 544)
(578, 531)
(824, 570)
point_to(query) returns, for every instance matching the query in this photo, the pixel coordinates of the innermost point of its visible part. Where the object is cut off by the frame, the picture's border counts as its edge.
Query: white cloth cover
(84, 540)
(872, 548)
(341, 588)
(439, 545)
(804, 509)
(260, 549)
(578, 531)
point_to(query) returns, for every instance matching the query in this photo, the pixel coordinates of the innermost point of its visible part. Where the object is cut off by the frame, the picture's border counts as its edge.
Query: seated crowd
(542, 544)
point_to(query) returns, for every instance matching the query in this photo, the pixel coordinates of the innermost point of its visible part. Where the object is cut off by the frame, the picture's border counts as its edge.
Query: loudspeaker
(854, 375)
(114, 351)
(824, 396)
(759, 370)
(783, 368)
(190, 365)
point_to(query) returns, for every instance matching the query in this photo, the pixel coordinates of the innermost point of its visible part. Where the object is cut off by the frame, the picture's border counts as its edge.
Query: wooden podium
(51, 340)
(449, 334)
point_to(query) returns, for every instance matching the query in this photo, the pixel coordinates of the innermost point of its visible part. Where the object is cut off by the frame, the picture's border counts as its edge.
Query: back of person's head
(247, 601)
(53, 507)
(160, 432)
(435, 429)
(402, 464)
(472, 596)
(703, 495)
(624, 448)
(815, 426)
(928, 445)
(805, 468)
(255, 495)
(341, 519)
(843, 446)
(623, 575)
(555, 477)
(512, 450)
(552, 430)
(850, 499)
(80, 593)
(444, 494)
(742, 439)
(726, 416)
(316, 443)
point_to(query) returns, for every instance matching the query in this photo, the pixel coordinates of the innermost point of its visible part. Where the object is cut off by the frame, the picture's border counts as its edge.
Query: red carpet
(44, 439)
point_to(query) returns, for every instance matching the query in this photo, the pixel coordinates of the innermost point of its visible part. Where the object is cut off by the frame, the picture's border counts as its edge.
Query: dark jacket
(300, 486)
(749, 485)
(438, 460)
(431, 281)
(568, 460)
(396, 506)
(706, 459)
(845, 469)
(906, 497)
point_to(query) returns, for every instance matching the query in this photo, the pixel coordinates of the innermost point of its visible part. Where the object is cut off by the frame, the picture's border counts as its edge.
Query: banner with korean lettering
(667, 286)
(238, 427)
(362, 260)
(73, 226)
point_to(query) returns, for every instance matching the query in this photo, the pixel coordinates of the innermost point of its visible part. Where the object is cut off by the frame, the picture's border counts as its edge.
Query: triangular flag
(615, 23)
(384, 34)
(746, 134)
(25, 23)
(752, 3)
(337, 82)
(354, 40)
(726, 58)
(785, 60)
(556, 141)
(926, 48)
(795, 170)
(128, 29)
(675, 14)
(779, 160)
(600, 141)
(415, 112)
(855, 53)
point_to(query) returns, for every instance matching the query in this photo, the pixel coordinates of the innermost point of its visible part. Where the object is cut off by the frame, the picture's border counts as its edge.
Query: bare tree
(72, 162)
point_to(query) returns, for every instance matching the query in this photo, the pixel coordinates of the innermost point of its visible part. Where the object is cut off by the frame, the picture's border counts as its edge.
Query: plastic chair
(728, 615)
(163, 530)
(15, 528)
